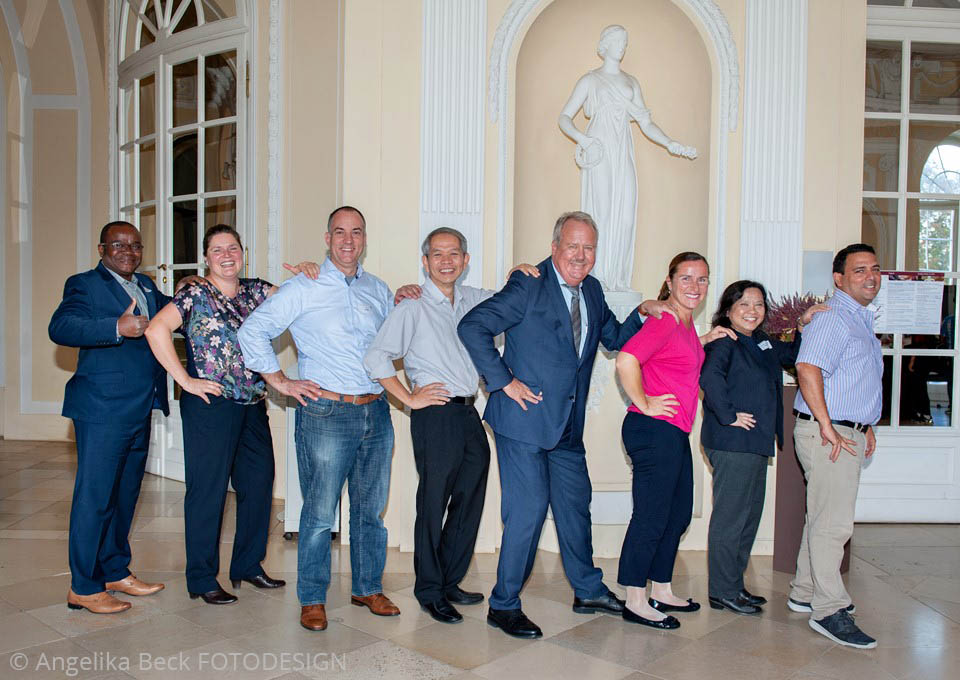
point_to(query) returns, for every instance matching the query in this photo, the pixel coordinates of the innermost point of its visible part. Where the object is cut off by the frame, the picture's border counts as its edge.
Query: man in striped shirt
(839, 369)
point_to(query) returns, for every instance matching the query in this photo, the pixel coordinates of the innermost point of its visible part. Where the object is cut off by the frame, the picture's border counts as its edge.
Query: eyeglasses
(120, 245)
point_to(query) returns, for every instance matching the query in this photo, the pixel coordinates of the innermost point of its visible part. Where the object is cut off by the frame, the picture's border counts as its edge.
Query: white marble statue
(611, 99)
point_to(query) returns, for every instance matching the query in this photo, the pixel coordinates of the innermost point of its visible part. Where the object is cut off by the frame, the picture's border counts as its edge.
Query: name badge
(765, 345)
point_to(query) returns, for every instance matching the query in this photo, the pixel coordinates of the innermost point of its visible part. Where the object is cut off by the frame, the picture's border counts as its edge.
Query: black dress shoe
(458, 595)
(260, 581)
(690, 606)
(668, 623)
(755, 600)
(513, 622)
(441, 610)
(734, 604)
(218, 596)
(607, 603)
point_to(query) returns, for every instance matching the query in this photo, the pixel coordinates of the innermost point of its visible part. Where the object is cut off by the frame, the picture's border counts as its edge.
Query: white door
(181, 122)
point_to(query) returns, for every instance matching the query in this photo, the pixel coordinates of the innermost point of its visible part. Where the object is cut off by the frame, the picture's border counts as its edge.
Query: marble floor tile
(384, 627)
(163, 635)
(38, 592)
(383, 659)
(542, 660)
(73, 622)
(43, 521)
(62, 659)
(465, 645)
(21, 630)
(629, 645)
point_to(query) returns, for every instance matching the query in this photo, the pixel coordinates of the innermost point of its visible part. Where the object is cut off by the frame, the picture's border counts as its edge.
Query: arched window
(180, 126)
(181, 145)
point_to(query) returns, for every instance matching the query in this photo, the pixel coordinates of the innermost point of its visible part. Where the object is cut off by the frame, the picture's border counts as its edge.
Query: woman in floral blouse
(226, 436)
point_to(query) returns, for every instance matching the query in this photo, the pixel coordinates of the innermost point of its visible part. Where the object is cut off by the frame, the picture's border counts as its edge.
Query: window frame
(907, 25)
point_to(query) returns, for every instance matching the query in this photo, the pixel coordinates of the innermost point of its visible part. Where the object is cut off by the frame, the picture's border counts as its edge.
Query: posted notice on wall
(909, 302)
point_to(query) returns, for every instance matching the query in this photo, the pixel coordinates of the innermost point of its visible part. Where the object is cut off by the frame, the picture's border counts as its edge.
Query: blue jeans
(339, 442)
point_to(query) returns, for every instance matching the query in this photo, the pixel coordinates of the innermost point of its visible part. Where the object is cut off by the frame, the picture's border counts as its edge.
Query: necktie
(575, 315)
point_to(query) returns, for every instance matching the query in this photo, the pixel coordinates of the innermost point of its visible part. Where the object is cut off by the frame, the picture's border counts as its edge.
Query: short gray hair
(425, 246)
(577, 215)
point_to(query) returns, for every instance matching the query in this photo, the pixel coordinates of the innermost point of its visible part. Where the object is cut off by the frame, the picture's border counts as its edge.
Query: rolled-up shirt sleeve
(265, 323)
(392, 342)
(823, 342)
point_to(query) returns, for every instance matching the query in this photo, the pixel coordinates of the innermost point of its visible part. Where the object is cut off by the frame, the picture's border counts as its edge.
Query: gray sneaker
(840, 628)
(805, 608)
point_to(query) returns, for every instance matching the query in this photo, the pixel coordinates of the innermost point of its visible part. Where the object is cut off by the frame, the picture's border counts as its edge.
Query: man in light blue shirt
(839, 370)
(343, 429)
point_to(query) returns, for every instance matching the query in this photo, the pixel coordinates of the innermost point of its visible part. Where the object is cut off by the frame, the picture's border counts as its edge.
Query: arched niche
(714, 36)
(670, 60)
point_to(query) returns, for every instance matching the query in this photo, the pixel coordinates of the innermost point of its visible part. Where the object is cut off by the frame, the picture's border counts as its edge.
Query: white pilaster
(451, 122)
(775, 89)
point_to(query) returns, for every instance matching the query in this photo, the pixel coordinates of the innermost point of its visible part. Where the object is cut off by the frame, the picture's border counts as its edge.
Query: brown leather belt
(357, 399)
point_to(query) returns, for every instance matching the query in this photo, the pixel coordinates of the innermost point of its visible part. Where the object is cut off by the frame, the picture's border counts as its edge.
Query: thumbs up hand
(130, 325)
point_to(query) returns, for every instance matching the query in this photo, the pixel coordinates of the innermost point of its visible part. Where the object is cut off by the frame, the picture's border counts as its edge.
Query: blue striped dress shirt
(332, 323)
(842, 344)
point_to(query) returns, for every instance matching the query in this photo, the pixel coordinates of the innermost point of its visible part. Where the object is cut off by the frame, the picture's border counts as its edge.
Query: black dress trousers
(452, 457)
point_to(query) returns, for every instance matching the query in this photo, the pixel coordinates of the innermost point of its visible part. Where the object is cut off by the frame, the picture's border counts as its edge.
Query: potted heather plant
(782, 316)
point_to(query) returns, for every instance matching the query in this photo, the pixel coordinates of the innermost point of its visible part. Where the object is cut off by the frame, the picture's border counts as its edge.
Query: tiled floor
(904, 579)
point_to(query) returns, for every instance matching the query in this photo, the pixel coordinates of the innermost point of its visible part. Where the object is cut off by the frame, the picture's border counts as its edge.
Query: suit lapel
(111, 283)
(559, 303)
(760, 356)
(592, 306)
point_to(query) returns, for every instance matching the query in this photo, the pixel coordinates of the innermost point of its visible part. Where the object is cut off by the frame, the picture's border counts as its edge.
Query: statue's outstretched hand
(678, 149)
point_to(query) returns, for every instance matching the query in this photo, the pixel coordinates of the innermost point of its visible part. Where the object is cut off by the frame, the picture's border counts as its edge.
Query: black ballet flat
(690, 606)
(669, 623)
(260, 581)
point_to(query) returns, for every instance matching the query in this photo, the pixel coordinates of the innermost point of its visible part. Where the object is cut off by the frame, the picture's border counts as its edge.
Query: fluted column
(452, 122)
(774, 112)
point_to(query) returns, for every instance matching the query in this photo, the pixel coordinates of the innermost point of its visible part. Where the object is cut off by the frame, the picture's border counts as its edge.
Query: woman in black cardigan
(742, 424)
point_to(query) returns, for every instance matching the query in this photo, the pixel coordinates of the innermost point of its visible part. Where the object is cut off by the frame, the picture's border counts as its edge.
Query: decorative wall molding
(727, 76)
(84, 132)
(451, 122)
(274, 142)
(774, 111)
(113, 208)
(4, 212)
(29, 105)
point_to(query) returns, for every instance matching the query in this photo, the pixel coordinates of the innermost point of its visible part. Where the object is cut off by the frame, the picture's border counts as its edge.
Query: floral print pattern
(210, 324)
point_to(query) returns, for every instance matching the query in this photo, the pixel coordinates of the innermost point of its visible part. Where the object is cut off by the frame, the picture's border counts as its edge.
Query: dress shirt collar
(563, 284)
(436, 296)
(844, 301)
(127, 283)
(328, 268)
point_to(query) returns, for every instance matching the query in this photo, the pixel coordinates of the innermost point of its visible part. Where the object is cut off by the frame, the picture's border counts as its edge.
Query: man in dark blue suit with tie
(538, 394)
(110, 396)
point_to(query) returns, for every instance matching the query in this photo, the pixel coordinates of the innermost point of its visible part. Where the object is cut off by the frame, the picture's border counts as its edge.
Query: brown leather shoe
(134, 586)
(313, 617)
(98, 603)
(378, 603)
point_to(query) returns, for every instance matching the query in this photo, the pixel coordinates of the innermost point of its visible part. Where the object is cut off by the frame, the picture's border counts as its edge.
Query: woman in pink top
(659, 369)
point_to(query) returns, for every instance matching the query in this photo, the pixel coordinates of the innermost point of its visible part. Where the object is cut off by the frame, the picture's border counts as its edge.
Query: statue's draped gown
(608, 190)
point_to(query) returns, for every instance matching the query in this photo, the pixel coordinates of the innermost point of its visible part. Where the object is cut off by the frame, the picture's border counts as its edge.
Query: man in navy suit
(110, 396)
(538, 394)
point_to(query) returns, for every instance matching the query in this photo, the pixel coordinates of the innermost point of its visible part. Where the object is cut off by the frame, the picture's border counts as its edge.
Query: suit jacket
(116, 381)
(738, 375)
(539, 352)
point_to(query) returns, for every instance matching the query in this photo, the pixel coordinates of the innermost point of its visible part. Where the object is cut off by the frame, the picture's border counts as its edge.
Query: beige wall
(834, 133)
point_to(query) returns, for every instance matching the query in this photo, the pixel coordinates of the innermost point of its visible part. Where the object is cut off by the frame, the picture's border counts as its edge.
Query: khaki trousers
(831, 499)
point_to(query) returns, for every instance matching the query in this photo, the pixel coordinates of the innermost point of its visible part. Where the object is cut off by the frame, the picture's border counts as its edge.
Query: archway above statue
(613, 101)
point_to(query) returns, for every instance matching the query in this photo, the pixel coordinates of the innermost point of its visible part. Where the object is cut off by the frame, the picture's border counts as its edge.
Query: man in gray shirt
(450, 446)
